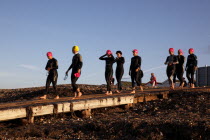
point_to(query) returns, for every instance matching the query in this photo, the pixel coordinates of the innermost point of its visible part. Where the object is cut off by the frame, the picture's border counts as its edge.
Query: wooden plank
(42, 110)
(10, 114)
(99, 103)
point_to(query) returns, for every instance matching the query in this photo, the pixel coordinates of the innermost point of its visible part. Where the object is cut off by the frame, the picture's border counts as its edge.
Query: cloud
(30, 67)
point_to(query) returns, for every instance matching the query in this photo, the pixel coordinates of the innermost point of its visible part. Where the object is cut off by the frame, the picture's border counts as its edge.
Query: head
(152, 74)
(191, 51)
(75, 49)
(108, 53)
(119, 54)
(49, 55)
(171, 51)
(135, 52)
(180, 52)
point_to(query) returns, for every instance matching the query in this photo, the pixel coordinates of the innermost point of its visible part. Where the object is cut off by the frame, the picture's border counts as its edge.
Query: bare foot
(110, 93)
(43, 97)
(57, 97)
(107, 93)
(118, 91)
(79, 94)
(193, 86)
(133, 92)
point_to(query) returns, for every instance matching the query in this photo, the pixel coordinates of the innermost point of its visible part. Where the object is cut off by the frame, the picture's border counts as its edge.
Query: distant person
(153, 81)
(180, 68)
(119, 70)
(191, 67)
(51, 67)
(135, 67)
(76, 67)
(109, 58)
(171, 62)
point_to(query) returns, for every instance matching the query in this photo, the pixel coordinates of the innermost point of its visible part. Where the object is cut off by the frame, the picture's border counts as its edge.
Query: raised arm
(102, 57)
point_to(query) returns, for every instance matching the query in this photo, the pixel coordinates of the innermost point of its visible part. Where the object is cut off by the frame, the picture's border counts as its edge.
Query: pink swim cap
(180, 51)
(49, 54)
(171, 50)
(191, 50)
(77, 75)
(108, 52)
(135, 50)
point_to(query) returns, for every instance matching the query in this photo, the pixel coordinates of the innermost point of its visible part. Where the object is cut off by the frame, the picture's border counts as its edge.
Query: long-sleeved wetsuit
(119, 71)
(135, 76)
(75, 66)
(171, 68)
(191, 65)
(179, 69)
(109, 70)
(53, 74)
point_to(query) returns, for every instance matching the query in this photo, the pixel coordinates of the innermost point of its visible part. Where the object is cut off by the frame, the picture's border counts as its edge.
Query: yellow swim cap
(75, 48)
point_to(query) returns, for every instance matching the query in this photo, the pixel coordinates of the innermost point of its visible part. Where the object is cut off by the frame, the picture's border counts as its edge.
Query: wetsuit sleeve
(46, 66)
(187, 61)
(102, 57)
(182, 60)
(166, 62)
(71, 66)
(80, 62)
(55, 64)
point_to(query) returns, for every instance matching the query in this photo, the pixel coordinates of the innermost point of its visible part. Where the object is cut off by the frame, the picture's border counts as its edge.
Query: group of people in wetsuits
(52, 66)
(175, 68)
(134, 71)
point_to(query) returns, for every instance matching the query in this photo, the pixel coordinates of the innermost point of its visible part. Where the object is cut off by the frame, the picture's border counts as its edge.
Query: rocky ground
(185, 115)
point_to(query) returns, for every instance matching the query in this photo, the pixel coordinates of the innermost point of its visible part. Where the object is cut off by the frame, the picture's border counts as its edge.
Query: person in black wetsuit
(76, 70)
(135, 67)
(180, 68)
(171, 61)
(51, 67)
(119, 70)
(191, 67)
(109, 58)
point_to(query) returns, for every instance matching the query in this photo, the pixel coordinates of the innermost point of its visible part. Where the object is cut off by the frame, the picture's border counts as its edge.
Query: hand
(48, 69)
(137, 69)
(79, 70)
(67, 72)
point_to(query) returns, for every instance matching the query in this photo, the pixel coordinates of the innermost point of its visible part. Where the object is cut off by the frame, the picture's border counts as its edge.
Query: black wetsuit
(75, 66)
(171, 68)
(53, 74)
(109, 70)
(191, 67)
(179, 69)
(135, 76)
(119, 71)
